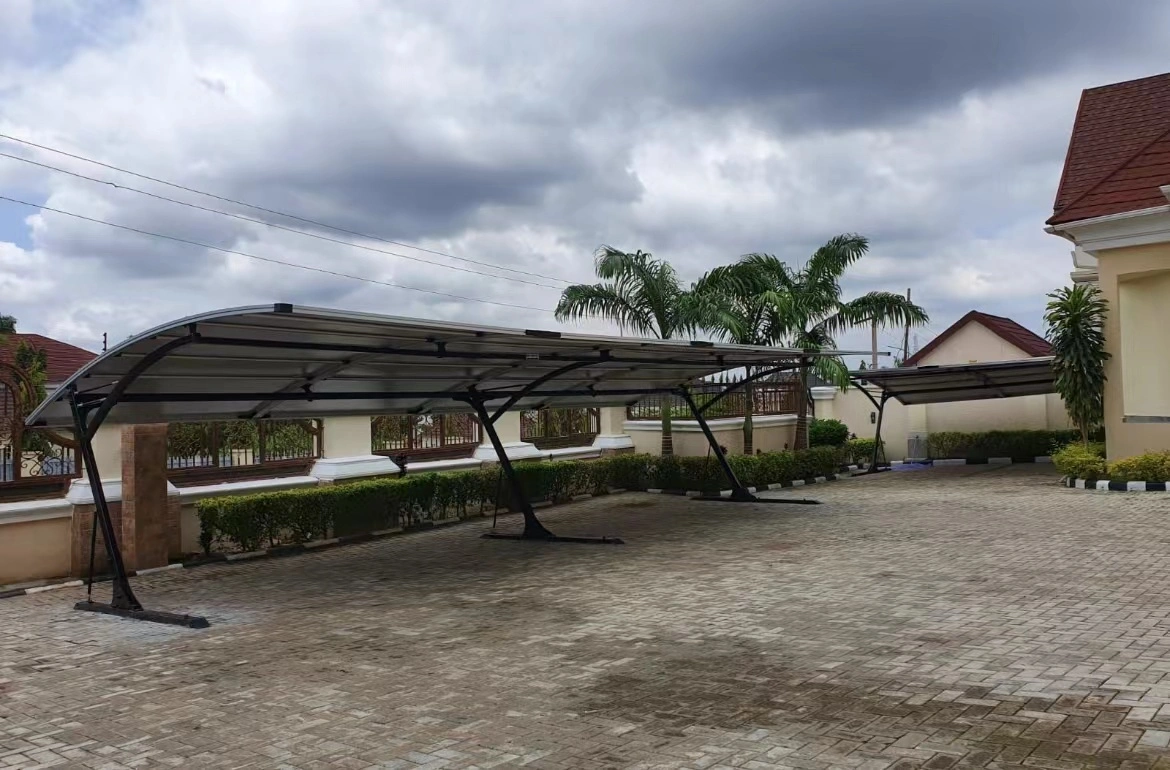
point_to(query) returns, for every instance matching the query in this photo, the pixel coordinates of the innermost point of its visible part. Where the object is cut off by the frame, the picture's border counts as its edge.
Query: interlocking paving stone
(961, 617)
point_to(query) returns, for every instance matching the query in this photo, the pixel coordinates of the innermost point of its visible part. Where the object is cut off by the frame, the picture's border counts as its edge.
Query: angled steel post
(123, 597)
(533, 529)
(123, 602)
(739, 493)
(877, 438)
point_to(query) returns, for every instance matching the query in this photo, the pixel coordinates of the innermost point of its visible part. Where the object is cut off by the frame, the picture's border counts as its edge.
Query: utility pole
(906, 334)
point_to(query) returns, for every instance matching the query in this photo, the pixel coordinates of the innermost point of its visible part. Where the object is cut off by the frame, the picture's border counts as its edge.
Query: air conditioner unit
(917, 447)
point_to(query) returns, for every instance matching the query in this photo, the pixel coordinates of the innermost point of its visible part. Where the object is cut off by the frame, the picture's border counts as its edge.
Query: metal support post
(123, 601)
(878, 449)
(533, 529)
(739, 493)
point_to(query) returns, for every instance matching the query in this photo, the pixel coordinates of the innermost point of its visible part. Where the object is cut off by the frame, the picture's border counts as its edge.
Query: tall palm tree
(640, 294)
(803, 309)
(729, 301)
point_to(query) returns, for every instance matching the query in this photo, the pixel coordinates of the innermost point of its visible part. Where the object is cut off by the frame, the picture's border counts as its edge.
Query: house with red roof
(1113, 205)
(976, 337)
(61, 358)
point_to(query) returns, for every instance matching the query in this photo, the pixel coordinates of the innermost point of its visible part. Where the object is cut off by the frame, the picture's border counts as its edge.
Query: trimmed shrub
(1080, 462)
(1019, 445)
(1152, 466)
(860, 449)
(252, 522)
(827, 433)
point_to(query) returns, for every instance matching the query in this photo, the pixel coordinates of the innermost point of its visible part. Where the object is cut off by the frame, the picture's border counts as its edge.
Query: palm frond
(604, 301)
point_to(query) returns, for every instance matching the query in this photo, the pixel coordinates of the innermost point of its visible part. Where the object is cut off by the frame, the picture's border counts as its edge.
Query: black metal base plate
(779, 500)
(153, 616)
(556, 539)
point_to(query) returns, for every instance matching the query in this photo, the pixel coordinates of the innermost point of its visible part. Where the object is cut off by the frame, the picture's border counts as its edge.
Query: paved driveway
(978, 617)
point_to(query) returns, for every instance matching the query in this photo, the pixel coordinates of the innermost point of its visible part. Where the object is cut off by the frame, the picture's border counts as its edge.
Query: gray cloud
(527, 134)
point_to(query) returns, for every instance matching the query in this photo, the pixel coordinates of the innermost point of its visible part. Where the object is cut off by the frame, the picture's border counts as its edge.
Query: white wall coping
(336, 468)
(80, 494)
(723, 423)
(613, 441)
(35, 510)
(574, 452)
(515, 450)
(824, 392)
(191, 494)
(450, 464)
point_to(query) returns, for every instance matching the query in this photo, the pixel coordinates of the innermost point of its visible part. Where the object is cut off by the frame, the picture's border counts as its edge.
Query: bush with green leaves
(861, 449)
(827, 433)
(252, 522)
(1151, 466)
(1019, 445)
(1080, 461)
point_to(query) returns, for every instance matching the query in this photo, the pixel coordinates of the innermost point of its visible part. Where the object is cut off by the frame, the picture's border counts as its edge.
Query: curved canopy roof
(963, 382)
(289, 361)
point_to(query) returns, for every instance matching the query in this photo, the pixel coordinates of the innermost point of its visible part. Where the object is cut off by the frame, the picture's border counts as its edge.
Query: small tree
(1075, 320)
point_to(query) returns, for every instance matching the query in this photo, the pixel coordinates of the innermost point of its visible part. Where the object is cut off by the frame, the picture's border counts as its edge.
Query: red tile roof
(1119, 152)
(63, 359)
(1005, 328)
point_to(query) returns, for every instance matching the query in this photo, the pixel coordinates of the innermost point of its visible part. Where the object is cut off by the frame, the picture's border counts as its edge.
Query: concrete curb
(945, 461)
(1105, 485)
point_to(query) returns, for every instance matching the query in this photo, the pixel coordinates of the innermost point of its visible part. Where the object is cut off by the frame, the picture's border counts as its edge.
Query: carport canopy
(286, 361)
(945, 383)
(283, 361)
(963, 382)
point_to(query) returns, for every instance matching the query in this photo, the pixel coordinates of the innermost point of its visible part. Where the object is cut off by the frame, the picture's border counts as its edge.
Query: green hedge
(827, 433)
(1081, 462)
(252, 522)
(861, 450)
(1151, 466)
(1020, 445)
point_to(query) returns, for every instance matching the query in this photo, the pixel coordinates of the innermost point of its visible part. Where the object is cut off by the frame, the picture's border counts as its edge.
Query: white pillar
(612, 434)
(107, 451)
(346, 451)
(822, 397)
(508, 429)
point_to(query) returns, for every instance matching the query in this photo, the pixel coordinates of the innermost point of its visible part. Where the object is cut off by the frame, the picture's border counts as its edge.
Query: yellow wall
(690, 442)
(34, 550)
(1136, 375)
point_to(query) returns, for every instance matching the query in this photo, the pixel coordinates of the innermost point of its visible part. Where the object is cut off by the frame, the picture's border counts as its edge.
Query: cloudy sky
(525, 134)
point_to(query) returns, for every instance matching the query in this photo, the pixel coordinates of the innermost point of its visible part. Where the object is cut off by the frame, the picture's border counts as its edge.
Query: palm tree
(803, 309)
(729, 302)
(1075, 318)
(638, 293)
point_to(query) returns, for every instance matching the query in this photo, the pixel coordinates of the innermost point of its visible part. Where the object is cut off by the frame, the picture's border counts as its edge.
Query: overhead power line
(243, 218)
(255, 207)
(271, 260)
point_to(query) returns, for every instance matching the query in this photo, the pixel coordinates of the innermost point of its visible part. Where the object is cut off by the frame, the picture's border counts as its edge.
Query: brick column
(149, 527)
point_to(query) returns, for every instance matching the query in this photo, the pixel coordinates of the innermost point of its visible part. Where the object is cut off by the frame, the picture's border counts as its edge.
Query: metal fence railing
(557, 428)
(33, 462)
(767, 398)
(206, 451)
(425, 436)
